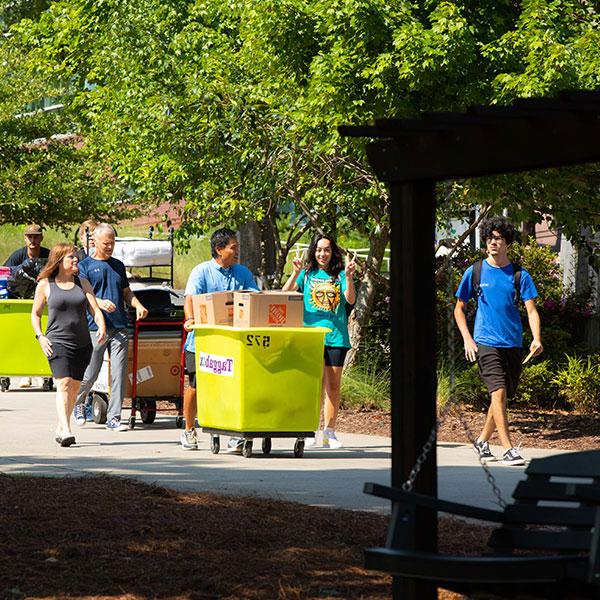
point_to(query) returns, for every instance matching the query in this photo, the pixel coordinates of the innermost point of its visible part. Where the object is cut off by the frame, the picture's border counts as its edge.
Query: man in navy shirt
(221, 274)
(109, 282)
(33, 247)
(497, 339)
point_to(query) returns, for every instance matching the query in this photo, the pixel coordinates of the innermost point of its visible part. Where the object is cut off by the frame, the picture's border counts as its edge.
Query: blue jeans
(118, 345)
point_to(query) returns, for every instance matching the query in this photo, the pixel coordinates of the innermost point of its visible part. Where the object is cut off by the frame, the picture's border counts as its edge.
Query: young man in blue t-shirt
(497, 339)
(221, 274)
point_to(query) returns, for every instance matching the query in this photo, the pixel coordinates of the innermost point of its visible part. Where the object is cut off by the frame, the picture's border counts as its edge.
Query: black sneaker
(512, 457)
(484, 452)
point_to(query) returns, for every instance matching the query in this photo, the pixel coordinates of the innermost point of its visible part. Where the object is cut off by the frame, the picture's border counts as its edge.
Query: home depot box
(215, 308)
(159, 364)
(268, 309)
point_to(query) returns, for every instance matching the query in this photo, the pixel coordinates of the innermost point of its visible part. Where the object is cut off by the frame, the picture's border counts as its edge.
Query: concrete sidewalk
(332, 478)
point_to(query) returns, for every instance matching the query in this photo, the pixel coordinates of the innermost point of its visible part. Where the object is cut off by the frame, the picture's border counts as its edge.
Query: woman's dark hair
(500, 224)
(335, 264)
(219, 239)
(55, 257)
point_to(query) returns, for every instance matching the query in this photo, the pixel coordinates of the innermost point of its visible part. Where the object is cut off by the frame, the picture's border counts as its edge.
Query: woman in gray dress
(66, 342)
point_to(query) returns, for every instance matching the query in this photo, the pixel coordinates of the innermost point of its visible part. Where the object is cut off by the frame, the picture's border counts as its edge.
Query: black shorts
(335, 356)
(69, 362)
(500, 368)
(190, 367)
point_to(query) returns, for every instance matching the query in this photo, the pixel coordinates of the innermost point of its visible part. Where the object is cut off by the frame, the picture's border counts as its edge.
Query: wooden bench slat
(532, 489)
(549, 515)
(570, 540)
(568, 464)
(486, 569)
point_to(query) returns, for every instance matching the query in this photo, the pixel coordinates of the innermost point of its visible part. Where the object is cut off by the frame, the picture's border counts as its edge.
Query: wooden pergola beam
(411, 155)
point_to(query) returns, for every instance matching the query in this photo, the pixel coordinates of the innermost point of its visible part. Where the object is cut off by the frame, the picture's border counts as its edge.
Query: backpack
(476, 280)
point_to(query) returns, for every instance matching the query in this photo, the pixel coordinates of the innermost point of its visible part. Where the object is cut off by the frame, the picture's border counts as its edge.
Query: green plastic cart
(20, 353)
(259, 383)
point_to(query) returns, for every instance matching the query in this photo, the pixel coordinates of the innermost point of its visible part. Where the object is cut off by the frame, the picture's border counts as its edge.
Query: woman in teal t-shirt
(328, 289)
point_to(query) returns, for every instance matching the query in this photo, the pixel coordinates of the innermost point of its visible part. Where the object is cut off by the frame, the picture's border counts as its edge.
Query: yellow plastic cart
(20, 353)
(259, 383)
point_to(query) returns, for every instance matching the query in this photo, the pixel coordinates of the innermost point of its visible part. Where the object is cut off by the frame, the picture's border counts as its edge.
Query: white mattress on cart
(142, 252)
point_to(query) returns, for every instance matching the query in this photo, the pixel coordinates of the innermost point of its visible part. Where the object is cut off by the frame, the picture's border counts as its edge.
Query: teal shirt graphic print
(325, 305)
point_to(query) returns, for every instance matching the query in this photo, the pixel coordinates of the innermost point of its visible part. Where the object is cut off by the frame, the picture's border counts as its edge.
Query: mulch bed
(105, 537)
(100, 538)
(529, 428)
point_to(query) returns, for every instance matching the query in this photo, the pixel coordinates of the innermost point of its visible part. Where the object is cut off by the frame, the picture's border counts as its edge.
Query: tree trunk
(250, 248)
(268, 253)
(257, 251)
(527, 230)
(366, 294)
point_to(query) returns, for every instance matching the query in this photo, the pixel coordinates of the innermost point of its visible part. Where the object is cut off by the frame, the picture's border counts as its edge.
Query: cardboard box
(268, 309)
(157, 369)
(215, 308)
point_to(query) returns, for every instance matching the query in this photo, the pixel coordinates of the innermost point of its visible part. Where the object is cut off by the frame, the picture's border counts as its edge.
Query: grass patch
(366, 386)
(11, 238)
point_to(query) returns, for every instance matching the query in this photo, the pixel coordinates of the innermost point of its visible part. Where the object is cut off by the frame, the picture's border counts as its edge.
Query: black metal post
(412, 279)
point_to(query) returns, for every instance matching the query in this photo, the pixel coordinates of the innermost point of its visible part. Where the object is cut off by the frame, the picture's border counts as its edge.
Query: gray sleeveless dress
(68, 331)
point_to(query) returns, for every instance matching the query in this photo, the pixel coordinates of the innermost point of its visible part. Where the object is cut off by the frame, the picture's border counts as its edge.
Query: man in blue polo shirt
(221, 274)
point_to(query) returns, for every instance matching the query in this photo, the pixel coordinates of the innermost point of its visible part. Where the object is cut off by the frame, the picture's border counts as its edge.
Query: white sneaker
(115, 425)
(330, 440)
(189, 440)
(235, 445)
(311, 441)
(79, 414)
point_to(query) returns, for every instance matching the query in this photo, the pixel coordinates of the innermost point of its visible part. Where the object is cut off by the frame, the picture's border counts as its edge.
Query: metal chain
(451, 404)
(427, 447)
(488, 474)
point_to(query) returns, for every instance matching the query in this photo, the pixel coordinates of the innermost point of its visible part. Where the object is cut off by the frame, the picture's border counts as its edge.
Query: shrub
(377, 336)
(470, 388)
(443, 385)
(537, 387)
(579, 383)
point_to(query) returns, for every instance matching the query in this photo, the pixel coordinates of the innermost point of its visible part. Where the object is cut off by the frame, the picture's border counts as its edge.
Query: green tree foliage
(549, 46)
(230, 108)
(47, 173)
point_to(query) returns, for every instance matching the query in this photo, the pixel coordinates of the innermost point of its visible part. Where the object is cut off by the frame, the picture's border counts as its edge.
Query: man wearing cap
(33, 248)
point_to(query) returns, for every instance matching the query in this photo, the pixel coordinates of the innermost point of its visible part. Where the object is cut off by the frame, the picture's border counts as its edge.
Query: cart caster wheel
(148, 412)
(4, 383)
(179, 422)
(299, 449)
(266, 445)
(131, 423)
(215, 444)
(99, 408)
(47, 384)
(247, 449)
